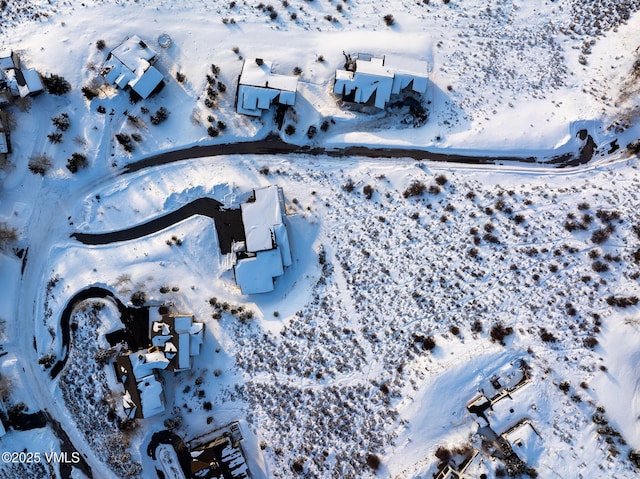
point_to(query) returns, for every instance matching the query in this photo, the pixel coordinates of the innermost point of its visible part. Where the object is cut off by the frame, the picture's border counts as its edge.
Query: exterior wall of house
(253, 100)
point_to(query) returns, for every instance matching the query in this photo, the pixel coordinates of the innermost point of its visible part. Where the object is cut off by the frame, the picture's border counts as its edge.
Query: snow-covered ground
(337, 367)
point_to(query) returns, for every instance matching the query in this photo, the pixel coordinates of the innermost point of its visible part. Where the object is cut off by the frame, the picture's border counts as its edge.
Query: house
(8, 62)
(259, 87)
(174, 339)
(178, 337)
(129, 66)
(143, 394)
(267, 250)
(16, 81)
(219, 454)
(372, 81)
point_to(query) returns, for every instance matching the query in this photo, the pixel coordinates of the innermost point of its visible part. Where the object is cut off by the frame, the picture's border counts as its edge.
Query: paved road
(273, 144)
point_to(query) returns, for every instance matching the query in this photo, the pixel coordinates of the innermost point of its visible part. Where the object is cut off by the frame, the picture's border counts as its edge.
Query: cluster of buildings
(174, 339)
(259, 249)
(518, 445)
(365, 80)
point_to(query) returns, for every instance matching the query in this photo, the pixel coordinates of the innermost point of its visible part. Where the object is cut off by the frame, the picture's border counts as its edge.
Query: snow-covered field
(388, 323)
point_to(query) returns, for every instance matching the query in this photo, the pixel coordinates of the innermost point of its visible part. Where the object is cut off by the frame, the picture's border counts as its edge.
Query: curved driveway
(228, 225)
(88, 293)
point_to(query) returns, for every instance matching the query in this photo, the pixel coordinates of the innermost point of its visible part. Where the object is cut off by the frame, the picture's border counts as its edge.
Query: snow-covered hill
(413, 283)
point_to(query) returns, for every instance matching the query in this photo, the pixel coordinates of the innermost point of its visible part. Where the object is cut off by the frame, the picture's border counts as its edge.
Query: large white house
(259, 87)
(372, 81)
(267, 251)
(130, 66)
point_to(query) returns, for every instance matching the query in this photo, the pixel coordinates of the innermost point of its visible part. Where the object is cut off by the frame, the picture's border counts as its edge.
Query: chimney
(259, 61)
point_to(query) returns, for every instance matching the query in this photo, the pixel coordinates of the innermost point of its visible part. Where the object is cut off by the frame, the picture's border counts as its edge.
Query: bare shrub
(441, 180)
(76, 161)
(601, 235)
(590, 342)
(8, 236)
(499, 332)
(349, 186)
(139, 298)
(373, 461)
(416, 188)
(368, 191)
(40, 164)
(622, 301)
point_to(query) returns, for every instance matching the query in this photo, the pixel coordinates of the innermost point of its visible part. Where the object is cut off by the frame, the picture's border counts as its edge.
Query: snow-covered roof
(282, 242)
(178, 337)
(260, 216)
(129, 64)
(373, 66)
(258, 87)
(376, 79)
(7, 60)
(151, 396)
(131, 51)
(525, 442)
(252, 100)
(148, 82)
(255, 275)
(257, 72)
(371, 81)
(143, 396)
(143, 363)
(266, 239)
(32, 83)
(403, 65)
(219, 453)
